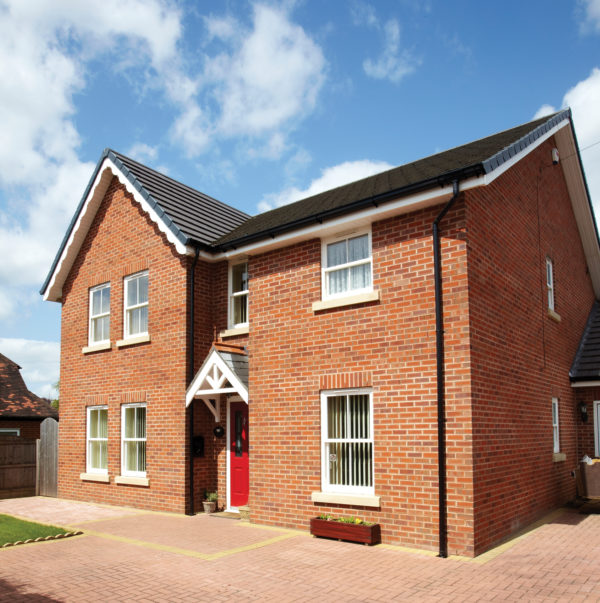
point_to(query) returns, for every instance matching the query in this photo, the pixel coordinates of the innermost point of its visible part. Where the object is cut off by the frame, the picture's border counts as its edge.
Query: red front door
(239, 486)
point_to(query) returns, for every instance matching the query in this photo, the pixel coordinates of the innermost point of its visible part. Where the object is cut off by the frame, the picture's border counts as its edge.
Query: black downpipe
(191, 376)
(441, 400)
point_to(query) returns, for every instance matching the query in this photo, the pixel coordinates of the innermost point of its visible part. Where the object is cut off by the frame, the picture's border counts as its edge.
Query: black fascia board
(466, 172)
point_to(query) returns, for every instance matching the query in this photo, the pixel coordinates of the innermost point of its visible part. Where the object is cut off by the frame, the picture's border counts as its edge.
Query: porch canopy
(224, 371)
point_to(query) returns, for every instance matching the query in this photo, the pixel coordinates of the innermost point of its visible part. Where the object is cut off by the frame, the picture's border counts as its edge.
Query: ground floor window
(347, 441)
(97, 439)
(133, 437)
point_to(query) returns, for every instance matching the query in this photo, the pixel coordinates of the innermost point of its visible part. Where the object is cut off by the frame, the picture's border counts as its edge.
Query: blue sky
(257, 104)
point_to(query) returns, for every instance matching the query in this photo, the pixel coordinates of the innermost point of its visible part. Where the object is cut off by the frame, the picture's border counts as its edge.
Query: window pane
(358, 248)
(240, 309)
(96, 302)
(130, 422)
(360, 276)
(105, 305)
(132, 293)
(93, 423)
(239, 278)
(140, 423)
(102, 423)
(336, 254)
(142, 289)
(336, 419)
(98, 457)
(337, 281)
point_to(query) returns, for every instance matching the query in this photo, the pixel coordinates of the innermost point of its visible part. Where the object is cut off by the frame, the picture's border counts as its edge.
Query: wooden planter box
(346, 531)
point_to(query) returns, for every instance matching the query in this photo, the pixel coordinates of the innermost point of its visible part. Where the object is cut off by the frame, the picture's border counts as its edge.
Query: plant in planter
(210, 501)
(352, 529)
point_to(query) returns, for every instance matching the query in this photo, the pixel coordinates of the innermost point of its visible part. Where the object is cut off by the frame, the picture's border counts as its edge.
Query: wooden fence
(17, 467)
(30, 467)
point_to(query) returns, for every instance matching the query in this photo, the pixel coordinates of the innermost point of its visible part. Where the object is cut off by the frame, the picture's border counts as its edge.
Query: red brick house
(398, 348)
(21, 411)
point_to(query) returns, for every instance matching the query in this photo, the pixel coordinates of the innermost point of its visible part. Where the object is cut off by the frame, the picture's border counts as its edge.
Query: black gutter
(472, 170)
(191, 376)
(441, 400)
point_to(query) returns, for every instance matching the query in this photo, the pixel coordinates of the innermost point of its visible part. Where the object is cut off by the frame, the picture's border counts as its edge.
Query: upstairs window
(136, 304)
(550, 283)
(238, 297)
(133, 438)
(347, 266)
(97, 439)
(347, 442)
(555, 433)
(99, 331)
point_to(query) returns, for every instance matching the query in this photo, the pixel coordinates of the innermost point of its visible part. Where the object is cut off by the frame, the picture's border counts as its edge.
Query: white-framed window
(136, 304)
(238, 295)
(133, 440)
(97, 439)
(347, 441)
(597, 428)
(555, 430)
(347, 265)
(550, 283)
(12, 431)
(99, 329)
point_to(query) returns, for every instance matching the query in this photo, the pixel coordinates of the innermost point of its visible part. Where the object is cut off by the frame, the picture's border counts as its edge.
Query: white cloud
(591, 15)
(393, 63)
(584, 100)
(268, 78)
(143, 152)
(330, 177)
(39, 362)
(543, 111)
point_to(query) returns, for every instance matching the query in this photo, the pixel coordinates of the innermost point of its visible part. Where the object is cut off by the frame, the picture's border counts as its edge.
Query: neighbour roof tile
(586, 366)
(16, 401)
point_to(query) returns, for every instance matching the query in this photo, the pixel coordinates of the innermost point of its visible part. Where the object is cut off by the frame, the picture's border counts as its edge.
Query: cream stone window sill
(236, 331)
(350, 300)
(133, 340)
(132, 481)
(95, 477)
(346, 499)
(555, 316)
(98, 347)
(558, 457)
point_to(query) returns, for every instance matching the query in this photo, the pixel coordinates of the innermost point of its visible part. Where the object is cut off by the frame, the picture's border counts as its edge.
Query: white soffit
(84, 221)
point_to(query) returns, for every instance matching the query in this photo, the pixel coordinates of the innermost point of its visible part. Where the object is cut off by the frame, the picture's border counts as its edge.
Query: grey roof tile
(586, 365)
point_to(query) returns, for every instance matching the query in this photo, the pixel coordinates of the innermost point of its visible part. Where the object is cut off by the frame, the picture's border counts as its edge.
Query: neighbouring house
(412, 348)
(21, 411)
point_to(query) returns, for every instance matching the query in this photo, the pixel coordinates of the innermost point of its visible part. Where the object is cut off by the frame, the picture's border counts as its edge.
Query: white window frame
(126, 308)
(337, 488)
(93, 317)
(325, 269)
(16, 431)
(596, 408)
(231, 296)
(555, 426)
(88, 440)
(550, 283)
(124, 470)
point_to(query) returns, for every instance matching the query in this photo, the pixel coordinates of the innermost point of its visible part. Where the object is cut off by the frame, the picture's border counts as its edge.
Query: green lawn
(13, 530)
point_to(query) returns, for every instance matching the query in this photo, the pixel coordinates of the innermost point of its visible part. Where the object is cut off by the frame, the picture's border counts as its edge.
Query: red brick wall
(30, 430)
(520, 356)
(388, 345)
(121, 241)
(585, 431)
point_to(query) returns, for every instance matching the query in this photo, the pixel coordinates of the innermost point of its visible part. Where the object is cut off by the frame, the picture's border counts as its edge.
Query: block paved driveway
(133, 555)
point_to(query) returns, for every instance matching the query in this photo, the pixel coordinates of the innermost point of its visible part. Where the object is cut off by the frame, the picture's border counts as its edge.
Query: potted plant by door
(345, 528)
(210, 501)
